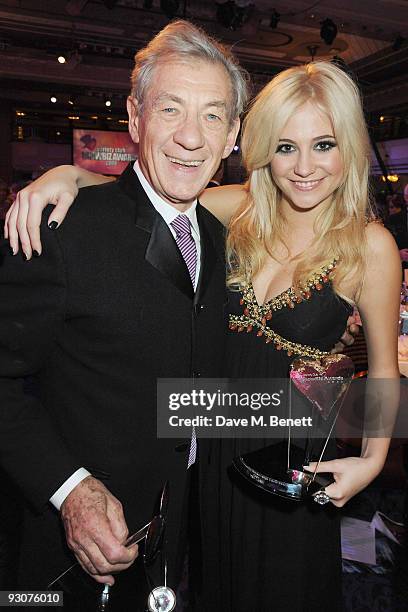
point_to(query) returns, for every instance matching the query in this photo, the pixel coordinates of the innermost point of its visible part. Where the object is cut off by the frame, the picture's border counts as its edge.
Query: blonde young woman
(302, 251)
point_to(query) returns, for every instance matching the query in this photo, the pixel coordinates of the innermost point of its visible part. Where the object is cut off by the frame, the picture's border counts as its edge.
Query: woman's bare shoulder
(223, 201)
(380, 241)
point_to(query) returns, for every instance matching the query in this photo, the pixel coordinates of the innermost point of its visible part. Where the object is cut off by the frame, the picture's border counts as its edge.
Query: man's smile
(185, 162)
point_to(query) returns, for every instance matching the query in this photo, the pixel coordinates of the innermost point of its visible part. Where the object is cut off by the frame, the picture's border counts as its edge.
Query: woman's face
(307, 166)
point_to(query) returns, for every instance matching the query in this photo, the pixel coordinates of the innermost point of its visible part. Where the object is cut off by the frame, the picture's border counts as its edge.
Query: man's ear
(231, 138)
(133, 113)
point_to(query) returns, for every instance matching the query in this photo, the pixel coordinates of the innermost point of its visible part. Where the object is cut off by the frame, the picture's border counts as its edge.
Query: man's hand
(96, 530)
(351, 332)
(57, 186)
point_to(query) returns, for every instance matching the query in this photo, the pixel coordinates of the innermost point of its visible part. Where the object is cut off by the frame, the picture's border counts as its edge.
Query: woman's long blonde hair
(259, 225)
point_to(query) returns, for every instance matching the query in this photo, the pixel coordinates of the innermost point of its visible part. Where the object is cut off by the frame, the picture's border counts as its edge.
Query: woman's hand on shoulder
(58, 186)
(223, 202)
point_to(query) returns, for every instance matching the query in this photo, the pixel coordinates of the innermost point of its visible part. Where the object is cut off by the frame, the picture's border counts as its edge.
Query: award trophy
(279, 468)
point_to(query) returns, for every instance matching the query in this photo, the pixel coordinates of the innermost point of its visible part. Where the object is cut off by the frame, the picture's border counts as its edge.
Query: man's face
(183, 130)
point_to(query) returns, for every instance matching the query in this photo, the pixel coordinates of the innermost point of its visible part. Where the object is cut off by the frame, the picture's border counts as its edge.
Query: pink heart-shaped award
(323, 381)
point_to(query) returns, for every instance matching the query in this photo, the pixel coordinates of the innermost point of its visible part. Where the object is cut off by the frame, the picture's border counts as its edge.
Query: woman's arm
(378, 305)
(223, 201)
(58, 186)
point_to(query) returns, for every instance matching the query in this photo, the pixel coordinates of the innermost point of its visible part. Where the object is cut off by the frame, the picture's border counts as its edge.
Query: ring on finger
(321, 497)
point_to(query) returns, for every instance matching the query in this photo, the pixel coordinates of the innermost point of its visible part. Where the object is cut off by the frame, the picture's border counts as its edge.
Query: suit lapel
(208, 256)
(162, 251)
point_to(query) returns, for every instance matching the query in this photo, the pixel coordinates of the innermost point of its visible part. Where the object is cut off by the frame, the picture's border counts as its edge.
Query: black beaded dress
(262, 552)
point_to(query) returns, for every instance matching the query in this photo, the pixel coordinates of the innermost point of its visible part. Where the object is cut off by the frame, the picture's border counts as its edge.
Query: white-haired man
(96, 324)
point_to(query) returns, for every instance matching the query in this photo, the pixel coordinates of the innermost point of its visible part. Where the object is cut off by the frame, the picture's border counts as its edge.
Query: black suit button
(199, 308)
(181, 448)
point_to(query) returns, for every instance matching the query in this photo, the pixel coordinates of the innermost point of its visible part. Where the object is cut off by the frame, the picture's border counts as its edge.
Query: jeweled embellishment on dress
(255, 317)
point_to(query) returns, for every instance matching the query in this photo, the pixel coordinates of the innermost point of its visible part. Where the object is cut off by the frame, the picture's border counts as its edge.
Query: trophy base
(264, 470)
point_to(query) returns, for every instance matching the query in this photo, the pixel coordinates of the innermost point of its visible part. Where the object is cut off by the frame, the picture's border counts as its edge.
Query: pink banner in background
(103, 152)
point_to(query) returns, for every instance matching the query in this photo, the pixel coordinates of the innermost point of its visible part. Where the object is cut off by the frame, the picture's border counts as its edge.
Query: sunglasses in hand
(161, 598)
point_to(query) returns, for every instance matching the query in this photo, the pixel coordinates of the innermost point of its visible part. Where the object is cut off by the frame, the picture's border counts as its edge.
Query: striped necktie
(186, 243)
(188, 249)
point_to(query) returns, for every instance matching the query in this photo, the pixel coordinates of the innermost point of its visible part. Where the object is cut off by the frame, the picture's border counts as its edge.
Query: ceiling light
(62, 59)
(328, 31)
(382, 118)
(53, 99)
(392, 178)
(313, 49)
(108, 103)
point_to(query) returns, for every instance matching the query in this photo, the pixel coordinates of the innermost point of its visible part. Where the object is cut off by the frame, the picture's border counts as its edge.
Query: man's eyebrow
(167, 96)
(164, 96)
(314, 139)
(217, 103)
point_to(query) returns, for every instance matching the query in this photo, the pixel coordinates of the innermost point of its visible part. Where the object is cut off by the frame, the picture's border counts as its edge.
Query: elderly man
(96, 324)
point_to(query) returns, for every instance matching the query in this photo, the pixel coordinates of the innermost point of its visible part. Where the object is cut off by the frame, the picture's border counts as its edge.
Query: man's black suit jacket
(106, 310)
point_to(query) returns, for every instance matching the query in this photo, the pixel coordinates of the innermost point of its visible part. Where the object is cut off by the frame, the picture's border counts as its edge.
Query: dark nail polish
(25, 257)
(36, 253)
(11, 251)
(53, 225)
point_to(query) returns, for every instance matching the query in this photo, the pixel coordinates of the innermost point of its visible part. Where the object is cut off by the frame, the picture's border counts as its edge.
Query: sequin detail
(256, 316)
